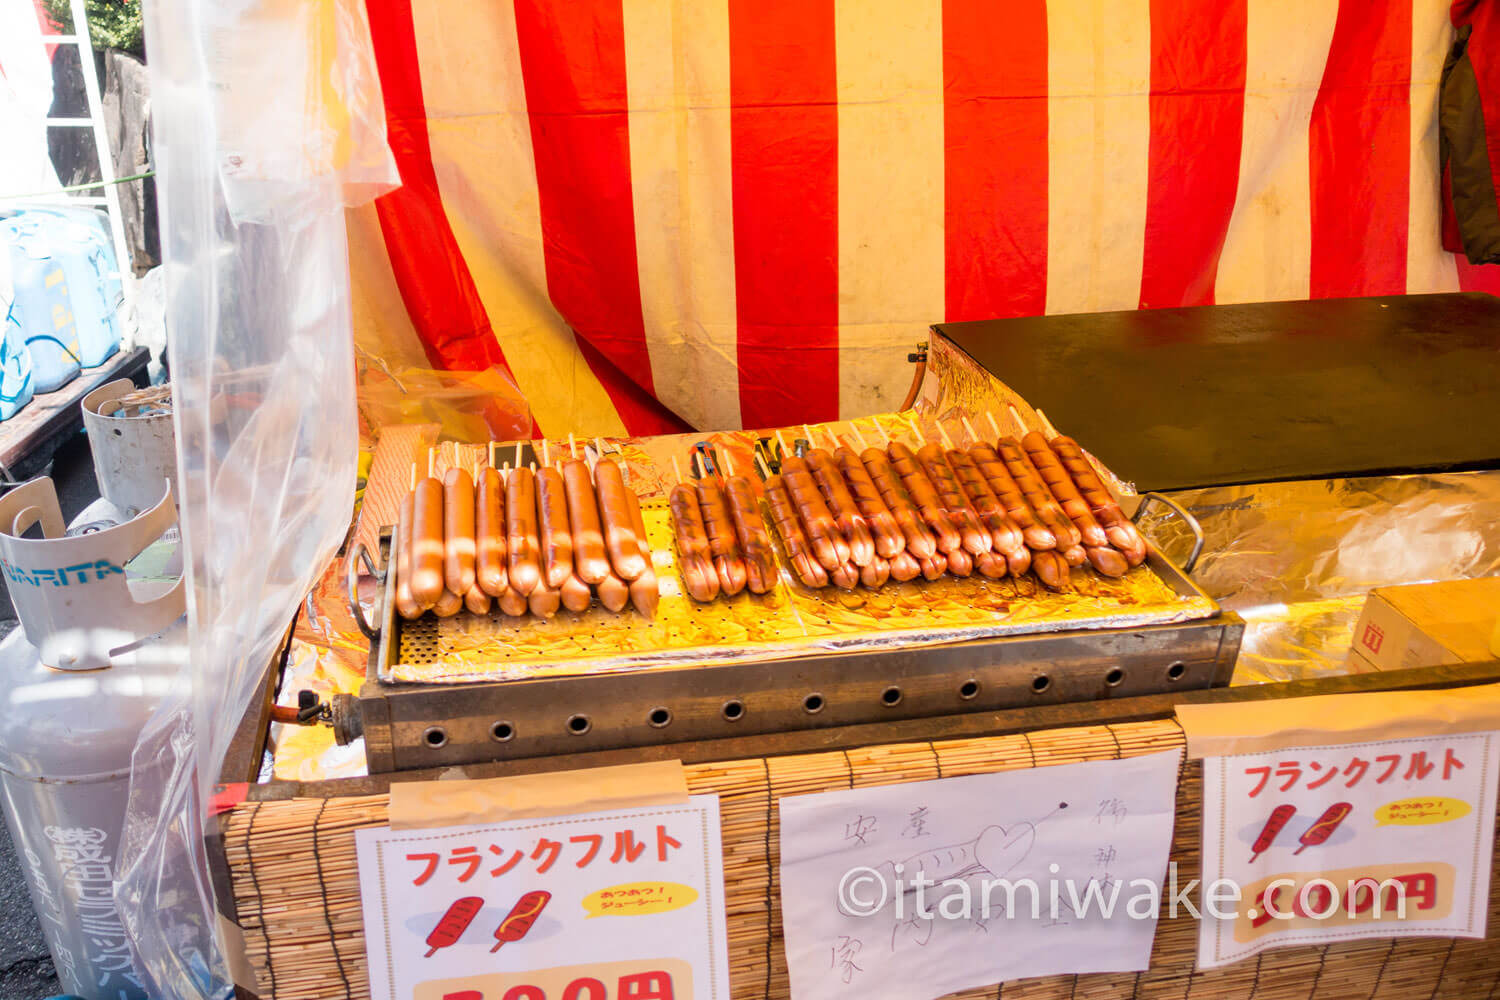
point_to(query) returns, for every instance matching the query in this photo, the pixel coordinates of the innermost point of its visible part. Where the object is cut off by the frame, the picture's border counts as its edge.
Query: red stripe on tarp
(429, 268)
(995, 158)
(1197, 125)
(573, 65)
(784, 131)
(1477, 277)
(641, 412)
(1360, 144)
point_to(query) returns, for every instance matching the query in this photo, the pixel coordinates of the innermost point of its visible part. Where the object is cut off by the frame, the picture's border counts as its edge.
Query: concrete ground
(26, 971)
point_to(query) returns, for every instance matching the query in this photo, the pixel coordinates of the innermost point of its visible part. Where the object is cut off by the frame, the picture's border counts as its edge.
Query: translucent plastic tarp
(268, 121)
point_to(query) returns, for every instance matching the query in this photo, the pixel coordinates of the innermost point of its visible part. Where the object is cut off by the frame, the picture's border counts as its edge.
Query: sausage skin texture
(876, 573)
(828, 544)
(1075, 556)
(991, 565)
(924, 497)
(1035, 490)
(448, 605)
(789, 526)
(1122, 532)
(1036, 535)
(589, 560)
(1004, 532)
(553, 532)
(620, 539)
(614, 593)
(1047, 464)
(512, 603)
(933, 566)
(846, 514)
(489, 534)
(760, 558)
(645, 594)
(544, 601)
(904, 567)
(406, 605)
(458, 531)
(974, 537)
(846, 577)
(1107, 561)
(699, 579)
(919, 539)
(477, 601)
(522, 549)
(883, 527)
(574, 594)
(1051, 569)
(427, 580)
(722, 545)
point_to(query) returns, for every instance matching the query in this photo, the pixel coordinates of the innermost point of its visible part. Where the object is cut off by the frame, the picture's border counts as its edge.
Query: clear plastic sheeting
(1297, 559)
(268, 121)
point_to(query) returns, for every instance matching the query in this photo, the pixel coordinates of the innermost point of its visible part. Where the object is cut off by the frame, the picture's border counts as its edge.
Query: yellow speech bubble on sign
(1421, 811)
(632, 899)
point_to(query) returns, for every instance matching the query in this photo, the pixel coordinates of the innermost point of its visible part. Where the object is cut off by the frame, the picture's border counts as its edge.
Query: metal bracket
(1181, 512)
(359, 553)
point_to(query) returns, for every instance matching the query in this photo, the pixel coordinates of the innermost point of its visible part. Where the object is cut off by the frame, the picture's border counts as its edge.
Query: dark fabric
(1471, 214)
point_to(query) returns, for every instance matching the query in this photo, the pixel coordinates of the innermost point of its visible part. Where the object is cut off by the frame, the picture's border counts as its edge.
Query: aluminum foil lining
(1297, 559)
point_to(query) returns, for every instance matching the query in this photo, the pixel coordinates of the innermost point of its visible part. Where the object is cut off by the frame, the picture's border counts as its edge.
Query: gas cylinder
(100, 644)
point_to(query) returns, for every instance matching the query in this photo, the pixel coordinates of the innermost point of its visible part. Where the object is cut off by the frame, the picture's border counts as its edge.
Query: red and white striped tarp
(742, 212)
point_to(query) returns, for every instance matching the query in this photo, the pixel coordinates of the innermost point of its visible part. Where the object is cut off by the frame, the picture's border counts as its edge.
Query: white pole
(101, 140)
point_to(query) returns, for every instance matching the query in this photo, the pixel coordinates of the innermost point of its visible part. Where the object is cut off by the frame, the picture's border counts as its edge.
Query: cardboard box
(1426, 625)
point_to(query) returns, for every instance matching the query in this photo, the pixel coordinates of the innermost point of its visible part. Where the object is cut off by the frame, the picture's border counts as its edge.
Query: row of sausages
(525, 540)
(848, 518)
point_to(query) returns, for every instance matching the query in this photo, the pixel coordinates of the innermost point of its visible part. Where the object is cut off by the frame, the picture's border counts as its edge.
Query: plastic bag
(253, 188)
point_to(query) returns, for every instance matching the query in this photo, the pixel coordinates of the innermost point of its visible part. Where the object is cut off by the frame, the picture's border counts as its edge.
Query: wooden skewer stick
(431, 462)
(810, 438)
(490, 454)
(969, 427)
(676, 470)
(782, 441)
(994, 425)
(1047, 427)
(518, 454)
(854, 429)
(728, 464)
(765, 470)
(546, 454)
(943, 433)
(883, 433)
(572, 445)
(921, 438)
(1016, 416)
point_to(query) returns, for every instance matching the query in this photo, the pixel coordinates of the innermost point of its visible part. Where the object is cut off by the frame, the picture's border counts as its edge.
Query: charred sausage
(1064, 492)
(846, 513)
(1036, 535)
(974, 538)
(760, 558)
(1122, 533)
(883, 527)
(920, 541)
(798, 549)
(722, 545)
(1035, 490)
(1003, 531)
(693, 560)
(924, 496)
(828, 544)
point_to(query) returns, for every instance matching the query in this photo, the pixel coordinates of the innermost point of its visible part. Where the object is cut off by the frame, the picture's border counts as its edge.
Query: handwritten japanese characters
(627, 903)
(1363, 840)
(894, 890)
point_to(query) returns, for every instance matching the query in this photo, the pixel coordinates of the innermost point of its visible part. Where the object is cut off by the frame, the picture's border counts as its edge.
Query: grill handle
(1181, 512)
(359, 553)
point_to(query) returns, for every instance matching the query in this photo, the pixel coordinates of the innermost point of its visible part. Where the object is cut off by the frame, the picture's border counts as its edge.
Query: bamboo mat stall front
(293, 878)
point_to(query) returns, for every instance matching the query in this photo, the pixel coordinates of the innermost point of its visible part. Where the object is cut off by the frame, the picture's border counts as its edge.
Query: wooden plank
(29, 439)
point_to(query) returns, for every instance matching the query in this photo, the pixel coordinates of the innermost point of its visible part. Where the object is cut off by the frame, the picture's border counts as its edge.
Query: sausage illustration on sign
(518, 921)
(1278, 819)
(453, 924)
(1324, 826)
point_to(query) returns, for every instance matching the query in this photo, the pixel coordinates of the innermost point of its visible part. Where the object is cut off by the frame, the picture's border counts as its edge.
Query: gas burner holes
(733, 710)
(579, 724)
(1176, 670)
(813, 704)
(891, 696)
(1041, 683)
(660, 717)
(1114, 677)
(968, 690)
(502, 732)
(435, 737)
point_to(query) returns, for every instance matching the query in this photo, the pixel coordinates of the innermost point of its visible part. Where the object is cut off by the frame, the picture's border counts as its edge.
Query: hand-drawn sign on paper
(1035, 858)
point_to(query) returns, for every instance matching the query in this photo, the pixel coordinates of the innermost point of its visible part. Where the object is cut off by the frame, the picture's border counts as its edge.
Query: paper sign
(917, 890)
(1358, 840)
(626, 904)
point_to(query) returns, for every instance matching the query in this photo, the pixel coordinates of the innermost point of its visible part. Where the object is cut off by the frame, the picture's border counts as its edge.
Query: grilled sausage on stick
(619, 534)
(883, 527)
(789, 526)
(589, 560)
(760, 558)
(1036, 535)
(1051, 569)
(719, 525)
(522, 549)
(846, 513)
(406, 605)
(1004, 533)
(553, 530)
(919, 539)
(489, 529)
(1122, 534)
(699, 578)
(1063, 491)
(644, 592)
(924, 496)
(427, 582)
(828, 544)
(458, 529)
(973, 537)
(1036, 493)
